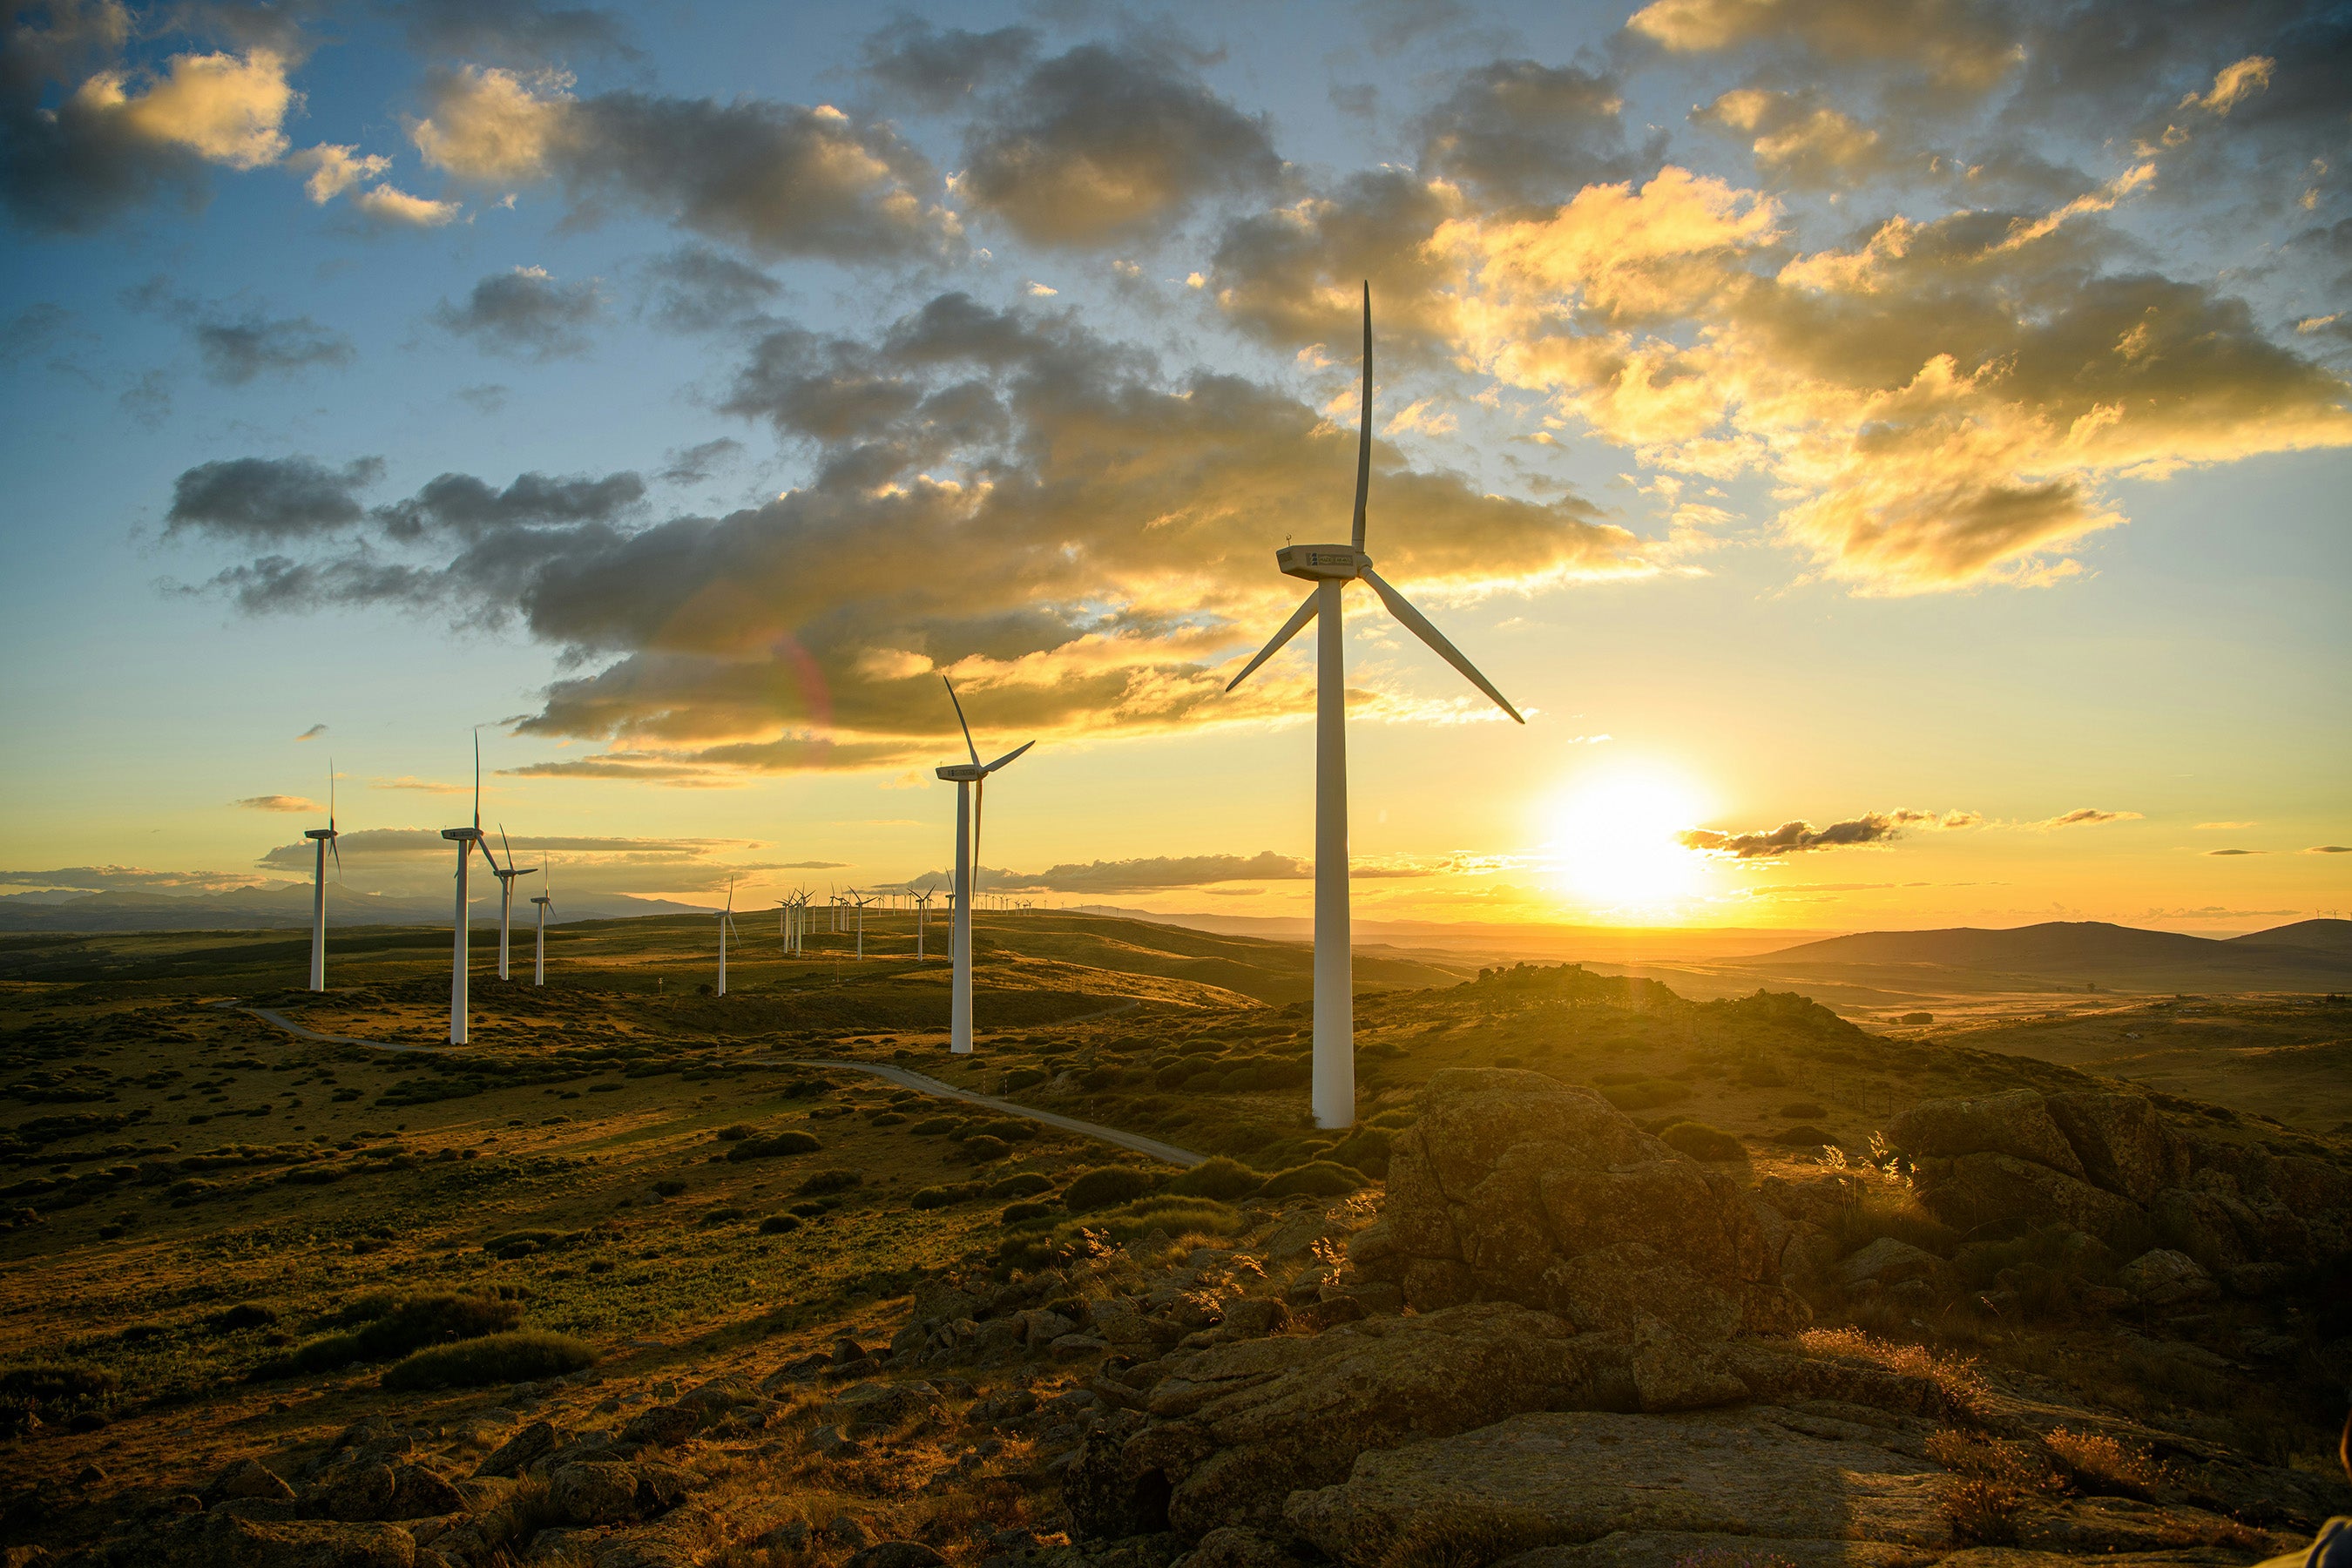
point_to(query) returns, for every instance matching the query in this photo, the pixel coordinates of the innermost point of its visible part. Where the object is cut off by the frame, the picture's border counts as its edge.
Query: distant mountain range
(2307, 956)
(273, 908)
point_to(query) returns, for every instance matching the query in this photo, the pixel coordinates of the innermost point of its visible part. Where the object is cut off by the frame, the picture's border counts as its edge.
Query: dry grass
(1955, 1377)
(1997, 1482)
(2105, 1466)
(1438, 1539)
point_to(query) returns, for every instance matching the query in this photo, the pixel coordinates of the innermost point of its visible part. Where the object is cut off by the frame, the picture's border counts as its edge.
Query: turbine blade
(337, 853)
(478, 781)
(960, 719)
(1010, 755)
(1364, 425)
(1290, 628)
(978, 804)
(504, 843)
(330, 797)
(1418, 624)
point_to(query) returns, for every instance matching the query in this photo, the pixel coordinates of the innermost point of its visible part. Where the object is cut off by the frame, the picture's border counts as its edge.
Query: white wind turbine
(545, 901)
(325, 837)
(972, 789)
(1330, 567)
(506, 876)
(922, 903)
(467, 839)
(726, 926)
(858, 901)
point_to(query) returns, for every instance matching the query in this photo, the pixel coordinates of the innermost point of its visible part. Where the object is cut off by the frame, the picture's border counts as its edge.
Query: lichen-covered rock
(220, 1540)
(2162, 1278)
(1235, 1547)
(609, 1492)
(2122, 1142)
(519, 1453)
(248, 1478)
(2017, 1123)
(1559, 1478)
(1668, 1548)
(1515, 1187)
(1888, 1261)
(1991, 1191)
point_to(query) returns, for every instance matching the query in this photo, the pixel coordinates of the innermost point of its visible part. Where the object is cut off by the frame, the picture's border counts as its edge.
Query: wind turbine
(858, 901)
(546, 902)
(922, 903)
(467, 839)
(325, 839)
(971, 792)
(1330, 567)
(726, 925)
(506, 892)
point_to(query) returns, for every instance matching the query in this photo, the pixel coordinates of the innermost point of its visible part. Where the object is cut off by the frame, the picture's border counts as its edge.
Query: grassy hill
(2078, 953)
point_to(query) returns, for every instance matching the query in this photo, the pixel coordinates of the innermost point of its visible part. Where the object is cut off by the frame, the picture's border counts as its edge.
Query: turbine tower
(1330, 567)
(726, 925)
(325, 837)
(506, 892)
(467, 840)
(546, 902)
(972, 788)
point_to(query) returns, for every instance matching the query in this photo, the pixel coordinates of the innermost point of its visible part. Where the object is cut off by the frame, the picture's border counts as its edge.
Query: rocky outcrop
(1516, 1187)
(2107, 1163)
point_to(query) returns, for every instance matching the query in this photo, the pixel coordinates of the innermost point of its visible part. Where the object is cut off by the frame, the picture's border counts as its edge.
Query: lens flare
(1616, 845)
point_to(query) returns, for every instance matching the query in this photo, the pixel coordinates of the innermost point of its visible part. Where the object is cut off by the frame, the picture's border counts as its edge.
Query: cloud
(1516, 130)
(395, 208)
(780, 178)
(1967, 47)
(1799, 837)
(523, 32)
(417, 861)
(1800, 139)
(697, 463)
(1092, 535)
(2229, 852)
(223, 108)
(696, 289)
(330, 170)
(526, 313)
(130, 879)
(2084, 816)
(2225, 826)
(1166, 871)
(934, 69)
(237, 349)
(426, 787)
(279, 802)
(268, 499)
(312, 733)
(2329, 849)
(1103, 145)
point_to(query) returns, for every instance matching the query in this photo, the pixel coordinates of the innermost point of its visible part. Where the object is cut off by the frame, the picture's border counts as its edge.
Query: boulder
(2122, 1142)
(248, 1478)
(1235, 1547)
(420, 1493)
(1996, 1191)
(518, 1454)
(1238, 1427)
(608, 1491)
(1669, 1548)
(355, 1489)
(1515, 1187)
(220, 1540)
(1887, 1261)
(2017, 1123)
(2163, 1277)
(895, 1554)
(1563, 1479)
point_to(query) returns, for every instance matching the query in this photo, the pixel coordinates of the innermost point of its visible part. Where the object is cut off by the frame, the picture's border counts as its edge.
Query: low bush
(1315, 1179)
(671, 1188)
(780, 1225)
(981, 1148)
(1805, 1136)
(1701, 1141)
(721, 1216)
(1217, 1177)
(244, 1315)
(791, 1143)
(1645, 1094)
(57, 1383)
(1169, 1213)
(524, 1356)
(1022, 1078)
(740, 1130)
(934, 1127)
(1955, 1377)
(1366, 1149)
(823, 1181)
(1020, 1185)
(946, 1196)
(1104, 1186)
(1015, 1213)
(1804, 1111)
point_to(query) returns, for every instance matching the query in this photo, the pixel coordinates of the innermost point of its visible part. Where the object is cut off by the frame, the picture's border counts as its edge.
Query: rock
(881, 1405)
(420, 1493)
(647, 1552)
(1544, 1478)
(1255, 1317)
(2166, 1279)
(248, 1478)
(2017, 1123)
(827, 1443)
(518, 1454)
(1670, 1373)
(1235, 1547)
(1078, 1347)
(664, 1425)
(844, 1531)
(1040, 1328)
(2123, 1145)
(1888, 1262)
(895, 1554)
(1239, 1426)
(220, 1540)
(355, 1489)
(1667, 1548)
(1991, 1191)
(791, 1536)
(599, 1491)
(1515, 1187)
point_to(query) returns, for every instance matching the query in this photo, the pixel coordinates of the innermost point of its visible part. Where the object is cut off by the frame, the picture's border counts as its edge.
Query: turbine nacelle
(467, 835)
(320, 833)
(962, 772)
(1323, 562)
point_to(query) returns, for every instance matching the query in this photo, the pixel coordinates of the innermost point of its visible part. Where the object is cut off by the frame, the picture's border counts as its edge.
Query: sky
(1894, 452)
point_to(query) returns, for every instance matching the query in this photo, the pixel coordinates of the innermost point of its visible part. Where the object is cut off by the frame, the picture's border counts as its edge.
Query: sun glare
(1616, 844)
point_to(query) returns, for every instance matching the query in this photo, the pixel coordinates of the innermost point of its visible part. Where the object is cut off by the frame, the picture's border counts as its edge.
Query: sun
(1617, 846)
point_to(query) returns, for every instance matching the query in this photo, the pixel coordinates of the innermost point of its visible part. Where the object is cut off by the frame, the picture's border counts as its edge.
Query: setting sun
(1616, 845)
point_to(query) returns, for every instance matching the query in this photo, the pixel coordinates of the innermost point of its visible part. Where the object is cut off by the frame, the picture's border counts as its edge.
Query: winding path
(268, 1015)
(905, 1078)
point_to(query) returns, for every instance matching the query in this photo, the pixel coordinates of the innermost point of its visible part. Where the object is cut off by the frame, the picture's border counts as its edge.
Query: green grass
(523, 1356)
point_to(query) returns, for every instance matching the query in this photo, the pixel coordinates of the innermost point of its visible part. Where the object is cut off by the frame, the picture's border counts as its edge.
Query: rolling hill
(2310, 955)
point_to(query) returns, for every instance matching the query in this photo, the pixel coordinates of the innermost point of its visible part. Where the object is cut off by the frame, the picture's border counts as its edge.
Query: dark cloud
(697, 463)
(236, 352)
(2086, 816)
(1166, 871)
(780, 178)
(32, 329)
(2329, 849)
(1516, 131)
(696, 289)
(2230, 852)
(1288, 276)
(933, 68)
(1091, 535)
(1107, 143)
(287, 803)
(270, 500)
(491, 397)
(526, 313)
(127, 878)
(510, 32)
(1798, 837)
(312, 733)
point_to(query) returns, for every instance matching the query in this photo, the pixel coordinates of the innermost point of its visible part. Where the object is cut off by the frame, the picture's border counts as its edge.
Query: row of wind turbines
(1329, 567)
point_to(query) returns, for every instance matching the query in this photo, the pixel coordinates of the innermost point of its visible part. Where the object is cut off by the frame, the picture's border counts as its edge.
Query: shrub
(328, 1353)
(1217, 1177)
(56, 1381)
(775, 1143)
(742, 1130)
(1315, 1179)
(721, 1216)
(244, 1315)
(2102, 1465)
(670, 1189)
(1020, 1185)
(1805, 1136)
(523, 1243)
(981, 1149)
(524, 1356)
(1015, 1213)
(1964, 1393)
(1166, 1212)
(1104, 1186)
(934, 1127)
(1022, 1078)
(1802, 1111)
(942, 1197)
(1645, 1093)
(831, 1182)
(1701, 1141)
(1366, 1149)
(415, 1321)
(780, 1225)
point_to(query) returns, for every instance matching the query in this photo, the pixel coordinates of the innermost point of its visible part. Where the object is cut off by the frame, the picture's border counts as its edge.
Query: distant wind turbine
(546, 902)
(468, 840)
(1330, 567)
(726, 926)
(325, 837)
(972, 786)
(506, 876)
